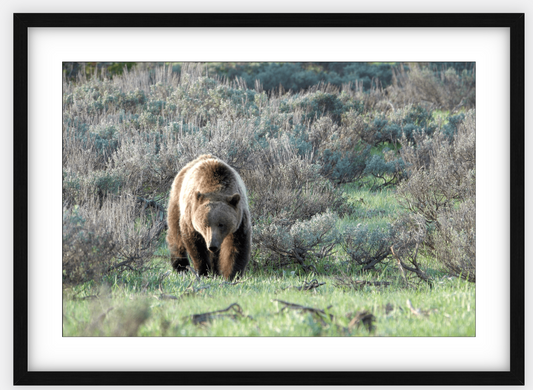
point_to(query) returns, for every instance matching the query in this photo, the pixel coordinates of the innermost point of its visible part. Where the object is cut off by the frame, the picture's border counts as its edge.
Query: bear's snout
(214, 243)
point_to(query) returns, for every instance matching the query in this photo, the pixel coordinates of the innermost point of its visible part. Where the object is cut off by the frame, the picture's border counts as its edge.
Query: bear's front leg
(178, 258)
(197, 250)
(178, 253)
(234, 255)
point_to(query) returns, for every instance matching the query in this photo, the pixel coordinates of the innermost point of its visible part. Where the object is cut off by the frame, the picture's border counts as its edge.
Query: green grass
(372, 208)
(448, 309)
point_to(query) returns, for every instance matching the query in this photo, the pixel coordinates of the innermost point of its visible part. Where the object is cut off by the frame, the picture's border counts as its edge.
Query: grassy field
(129, 309)
(273, 302)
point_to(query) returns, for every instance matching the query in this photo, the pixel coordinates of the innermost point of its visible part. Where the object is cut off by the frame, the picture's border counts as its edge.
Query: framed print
(58, 56)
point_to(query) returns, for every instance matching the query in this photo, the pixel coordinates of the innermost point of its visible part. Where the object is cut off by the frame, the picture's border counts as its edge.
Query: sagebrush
(127, 133)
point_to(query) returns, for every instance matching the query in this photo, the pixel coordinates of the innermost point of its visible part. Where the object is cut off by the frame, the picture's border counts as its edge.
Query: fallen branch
(191, 290)
(311, 285)
(347, 282)
(306, 286)
(321, 314)
(204, 318)
(125, 263)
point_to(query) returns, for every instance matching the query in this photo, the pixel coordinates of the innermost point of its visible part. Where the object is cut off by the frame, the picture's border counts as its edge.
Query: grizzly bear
(209, 219)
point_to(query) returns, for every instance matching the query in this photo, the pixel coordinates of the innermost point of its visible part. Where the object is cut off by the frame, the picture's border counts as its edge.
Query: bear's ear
(234, 199)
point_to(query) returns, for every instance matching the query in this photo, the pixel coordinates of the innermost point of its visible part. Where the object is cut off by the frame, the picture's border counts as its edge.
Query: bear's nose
(213, 248)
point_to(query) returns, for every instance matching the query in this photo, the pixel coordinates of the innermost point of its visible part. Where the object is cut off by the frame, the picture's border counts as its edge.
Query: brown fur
(209, 219)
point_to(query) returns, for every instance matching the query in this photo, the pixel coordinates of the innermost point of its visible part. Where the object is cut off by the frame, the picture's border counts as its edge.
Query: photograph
(269, 199)
(252, 199)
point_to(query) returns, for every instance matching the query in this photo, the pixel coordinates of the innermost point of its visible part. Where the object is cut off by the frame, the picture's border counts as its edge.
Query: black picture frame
(516, 374)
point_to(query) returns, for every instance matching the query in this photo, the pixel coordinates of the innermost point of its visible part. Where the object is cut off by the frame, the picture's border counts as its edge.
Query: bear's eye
(220, 225)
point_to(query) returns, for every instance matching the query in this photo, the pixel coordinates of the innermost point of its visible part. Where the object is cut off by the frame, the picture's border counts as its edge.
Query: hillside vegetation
(361, 180)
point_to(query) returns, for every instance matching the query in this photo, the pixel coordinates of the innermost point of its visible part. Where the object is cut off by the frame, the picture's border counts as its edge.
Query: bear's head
(215, 217)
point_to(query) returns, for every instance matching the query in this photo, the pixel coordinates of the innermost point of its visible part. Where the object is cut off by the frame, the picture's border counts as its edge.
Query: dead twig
(163, 295)
(194, 272)
(400, 266)
(125, 263)
(161, 278)
(191, 290)
(321, 314)
(416, 269)
(347, 282)
(204, 318)
(313, 284)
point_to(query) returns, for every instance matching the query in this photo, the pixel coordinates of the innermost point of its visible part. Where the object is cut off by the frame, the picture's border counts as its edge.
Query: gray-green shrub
(128, 136)
(441, 187)
(367, 246)
(115, 233)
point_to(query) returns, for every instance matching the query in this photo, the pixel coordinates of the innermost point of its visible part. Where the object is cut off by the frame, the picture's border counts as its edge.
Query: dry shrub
(441, 188)
(88, 247)
(287, 186)
(293, 207)
(409, 231)
(121, 234)
(455, 243)
(144, 163)
(300, 242)
(149, 162)
(441, 170)
(444, 90)
(366, 246)
(409, 234)
(81, 153)
(355, 124)
(233, 141)
(340, 151)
